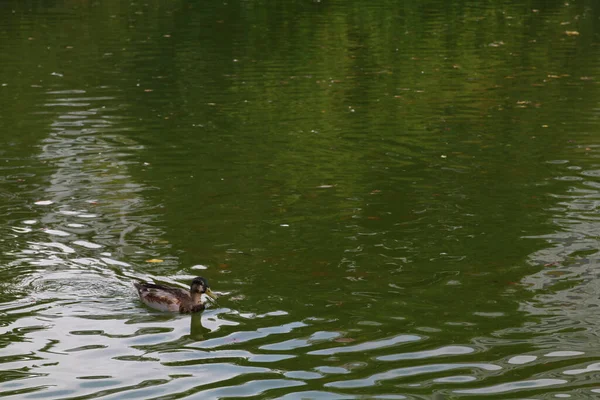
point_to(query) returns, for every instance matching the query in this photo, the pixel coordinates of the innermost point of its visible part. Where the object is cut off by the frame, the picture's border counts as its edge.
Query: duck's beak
(210, 294)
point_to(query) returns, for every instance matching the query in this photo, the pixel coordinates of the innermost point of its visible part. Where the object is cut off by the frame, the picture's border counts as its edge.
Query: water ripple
(514, 386)
(372, 345)
(410, 371)
(442, 351)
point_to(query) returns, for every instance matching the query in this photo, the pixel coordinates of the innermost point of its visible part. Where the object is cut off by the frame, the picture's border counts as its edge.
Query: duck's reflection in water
(197, 330)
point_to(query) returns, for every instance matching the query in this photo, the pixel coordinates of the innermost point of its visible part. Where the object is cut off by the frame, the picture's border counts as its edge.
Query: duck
(174, 299)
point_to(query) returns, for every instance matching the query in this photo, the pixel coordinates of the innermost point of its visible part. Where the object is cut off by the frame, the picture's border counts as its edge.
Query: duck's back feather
(163, 298)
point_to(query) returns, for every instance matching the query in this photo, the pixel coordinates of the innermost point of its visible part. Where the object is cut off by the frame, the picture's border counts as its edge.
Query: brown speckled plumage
(173, 299)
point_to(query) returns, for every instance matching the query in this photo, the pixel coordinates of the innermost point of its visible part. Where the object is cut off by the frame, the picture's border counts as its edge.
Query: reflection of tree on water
(197, 330)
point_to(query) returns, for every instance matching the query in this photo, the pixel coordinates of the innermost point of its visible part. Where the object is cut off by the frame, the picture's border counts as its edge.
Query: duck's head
(200, 285)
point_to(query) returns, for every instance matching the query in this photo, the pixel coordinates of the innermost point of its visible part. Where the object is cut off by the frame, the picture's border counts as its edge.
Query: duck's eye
(200, 281)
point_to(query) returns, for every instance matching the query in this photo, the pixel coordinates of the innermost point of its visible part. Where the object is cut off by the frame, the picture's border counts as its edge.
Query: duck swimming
(165, 298)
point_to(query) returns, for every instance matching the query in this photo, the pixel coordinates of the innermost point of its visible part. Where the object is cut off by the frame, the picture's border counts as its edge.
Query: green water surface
(396, 200)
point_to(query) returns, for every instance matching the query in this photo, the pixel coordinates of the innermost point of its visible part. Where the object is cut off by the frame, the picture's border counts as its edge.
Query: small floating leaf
(154, 260)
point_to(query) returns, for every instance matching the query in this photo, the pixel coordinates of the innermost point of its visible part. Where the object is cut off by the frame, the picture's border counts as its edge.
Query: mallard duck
(175, 299)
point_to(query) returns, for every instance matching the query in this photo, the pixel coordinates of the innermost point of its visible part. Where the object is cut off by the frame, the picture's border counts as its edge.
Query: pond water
(396, 200)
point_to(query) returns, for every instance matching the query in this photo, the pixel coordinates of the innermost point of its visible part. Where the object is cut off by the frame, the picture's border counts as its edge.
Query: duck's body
(165, 298)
